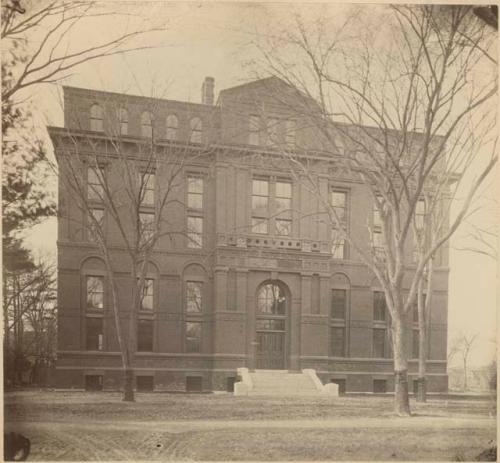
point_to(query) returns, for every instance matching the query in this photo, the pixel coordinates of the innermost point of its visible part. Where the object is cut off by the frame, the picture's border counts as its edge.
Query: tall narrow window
(95, 183)
(420, 211)
(379, 306)
(339, 303)
(260, 206)
(379, 343)
(96, 118)
(172, 126)
(94, 333)
(195, 232)
(378, 239)
(193, 336)
(147, 299)
(147, 124)
(147, 226)
(338, 201)
(95, 222)
(194, 296)
(195, 192)
(338, 341)
(254, 131)
(196, 130)
(420, 214)
(415, 343)
(283, 201)
(122, 116)
(145, 335)
(148, 183)
(95, 293)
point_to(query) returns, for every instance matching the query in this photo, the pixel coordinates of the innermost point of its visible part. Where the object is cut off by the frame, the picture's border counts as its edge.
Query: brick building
(259, 283)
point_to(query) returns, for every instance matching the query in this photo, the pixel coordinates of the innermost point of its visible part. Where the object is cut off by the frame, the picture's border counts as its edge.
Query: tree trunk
(401, 397)
(128, 386)
(128, 373)
(465, 374)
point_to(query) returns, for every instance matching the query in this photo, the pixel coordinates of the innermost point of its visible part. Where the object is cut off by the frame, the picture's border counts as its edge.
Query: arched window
(271, 300)
(172, 125)
(147, 124)
(96, 123)
(196, 128)
(122, 116)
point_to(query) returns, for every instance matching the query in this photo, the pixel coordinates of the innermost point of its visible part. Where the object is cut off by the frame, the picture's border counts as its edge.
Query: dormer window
(147, 124)
(172, 126)
(122, 116)
(96, 118)
(196, 128)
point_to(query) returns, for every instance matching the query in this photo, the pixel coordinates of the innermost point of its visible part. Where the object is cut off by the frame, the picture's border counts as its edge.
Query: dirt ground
(99, 426)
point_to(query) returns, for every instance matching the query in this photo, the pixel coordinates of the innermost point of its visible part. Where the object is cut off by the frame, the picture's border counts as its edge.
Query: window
(148, 182)
(147, 124)
(147, 299)
(96, 222)
(145, 336)
(283, 196)
(260, 206)
(195, 232)
(145, 383)
(95, 293)
(194, 383)
(420, 214)
(379, 306)
(338, 201)
(147, 226)
(254, 131)
(195, 212)
(94, 333)
(378, 239)
(339, 303)
(196, 129)
(283, 227)
(271, 300)
(290, 133)
(193, 336)
(283, 200)
(172, 126)
(195, 192)
(379, 343)
(95, 183)
(122, 116)
(96, 118)
(338, 341)
(93, 382)
(380, 386)
(194, 296)
(415, 343)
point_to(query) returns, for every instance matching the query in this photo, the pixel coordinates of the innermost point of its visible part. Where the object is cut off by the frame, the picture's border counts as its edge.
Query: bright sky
(215, 39)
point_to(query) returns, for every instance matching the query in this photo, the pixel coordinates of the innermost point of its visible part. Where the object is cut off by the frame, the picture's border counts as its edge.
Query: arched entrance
(271, 326)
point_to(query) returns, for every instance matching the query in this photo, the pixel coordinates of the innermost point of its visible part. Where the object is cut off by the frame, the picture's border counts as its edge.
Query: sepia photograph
(249, 230)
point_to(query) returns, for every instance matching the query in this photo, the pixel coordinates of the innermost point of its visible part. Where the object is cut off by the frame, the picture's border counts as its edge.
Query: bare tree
(136, 194)
(462, 345)
(29, 311)
(399, 112)
(39, 32)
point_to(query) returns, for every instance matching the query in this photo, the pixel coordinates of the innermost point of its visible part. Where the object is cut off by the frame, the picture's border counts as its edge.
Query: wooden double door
(271, 344)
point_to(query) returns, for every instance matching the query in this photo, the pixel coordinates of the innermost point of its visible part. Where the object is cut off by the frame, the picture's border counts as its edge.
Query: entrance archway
(271, 326)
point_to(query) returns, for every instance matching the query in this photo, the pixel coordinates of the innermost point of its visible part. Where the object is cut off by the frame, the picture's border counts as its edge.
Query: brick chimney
(207, 91)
